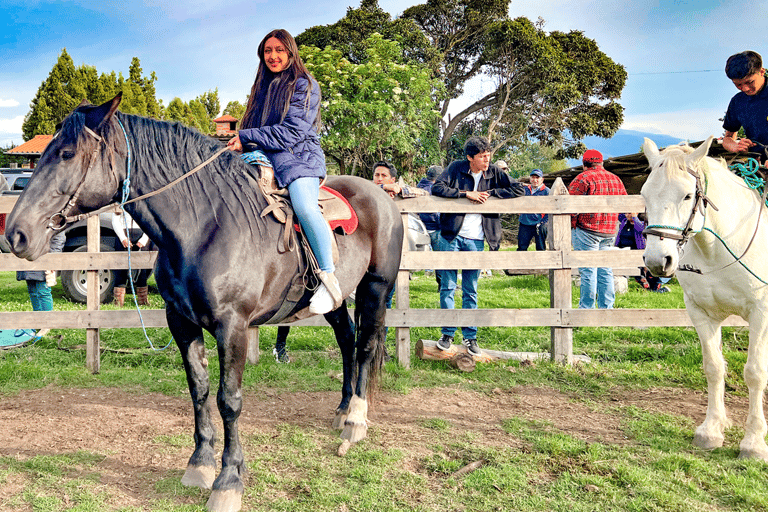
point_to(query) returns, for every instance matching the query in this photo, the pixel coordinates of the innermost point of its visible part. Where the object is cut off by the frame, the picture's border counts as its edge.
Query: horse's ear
(651, 150)
(701, 151)
(96, 118)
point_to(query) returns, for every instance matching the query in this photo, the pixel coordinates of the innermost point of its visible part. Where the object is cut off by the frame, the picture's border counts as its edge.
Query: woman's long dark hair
(271, 92)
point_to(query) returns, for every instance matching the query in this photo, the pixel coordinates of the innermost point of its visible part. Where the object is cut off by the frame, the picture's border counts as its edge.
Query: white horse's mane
(674, 159)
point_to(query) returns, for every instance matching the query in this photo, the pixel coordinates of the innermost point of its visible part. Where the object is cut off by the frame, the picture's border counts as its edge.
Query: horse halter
(59, 220)
(701, 203)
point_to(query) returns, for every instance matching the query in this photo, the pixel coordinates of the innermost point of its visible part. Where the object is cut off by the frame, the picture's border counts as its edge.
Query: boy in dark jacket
(476, 179)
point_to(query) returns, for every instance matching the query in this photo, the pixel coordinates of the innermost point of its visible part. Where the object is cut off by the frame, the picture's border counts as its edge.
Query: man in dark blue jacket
(533, 226)
(476, 179)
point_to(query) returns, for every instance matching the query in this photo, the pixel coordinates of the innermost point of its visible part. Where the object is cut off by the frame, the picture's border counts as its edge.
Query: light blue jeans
(595, 282)
(304, 193)
(468, 283)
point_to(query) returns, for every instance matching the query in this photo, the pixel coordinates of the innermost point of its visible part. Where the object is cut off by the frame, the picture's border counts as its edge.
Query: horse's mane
(166, 150)
(674, 159)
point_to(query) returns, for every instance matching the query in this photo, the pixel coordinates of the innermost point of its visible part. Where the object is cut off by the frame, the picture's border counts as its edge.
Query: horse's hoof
(354, 432)
(344, 448)
(339, 420)
(225, 501)
(758, 450)
(199, 476)
(707, 442)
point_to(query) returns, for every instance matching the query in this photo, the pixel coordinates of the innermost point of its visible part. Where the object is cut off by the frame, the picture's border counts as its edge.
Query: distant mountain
(625, 142)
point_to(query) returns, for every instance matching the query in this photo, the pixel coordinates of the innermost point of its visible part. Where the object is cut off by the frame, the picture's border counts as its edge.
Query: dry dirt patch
(124, 426)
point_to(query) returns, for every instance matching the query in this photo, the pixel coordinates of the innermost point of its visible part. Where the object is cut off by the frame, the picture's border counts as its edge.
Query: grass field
(529, 464)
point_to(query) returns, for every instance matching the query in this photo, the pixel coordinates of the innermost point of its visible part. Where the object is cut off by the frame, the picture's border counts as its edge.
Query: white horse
(710, 227)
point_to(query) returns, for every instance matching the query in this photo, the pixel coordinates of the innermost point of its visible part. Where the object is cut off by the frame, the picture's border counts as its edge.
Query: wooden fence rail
(560, 262)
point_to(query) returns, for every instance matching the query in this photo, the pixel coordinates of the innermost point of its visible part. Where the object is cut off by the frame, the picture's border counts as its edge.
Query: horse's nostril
(668, 263)
(17, 239)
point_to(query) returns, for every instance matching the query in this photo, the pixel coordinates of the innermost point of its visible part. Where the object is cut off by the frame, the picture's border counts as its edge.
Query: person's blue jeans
(434, 241)
(595, 282)
(304, 193)
(468, 283)
(40, 295)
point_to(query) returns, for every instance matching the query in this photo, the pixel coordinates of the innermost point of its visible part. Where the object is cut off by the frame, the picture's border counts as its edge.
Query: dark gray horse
(218, 266)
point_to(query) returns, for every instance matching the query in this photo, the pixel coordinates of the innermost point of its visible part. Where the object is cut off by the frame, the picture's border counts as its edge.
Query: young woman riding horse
(219, 266)
(281, 120)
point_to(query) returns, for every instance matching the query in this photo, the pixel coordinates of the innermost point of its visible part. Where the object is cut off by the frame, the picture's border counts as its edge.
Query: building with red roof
(32, 149)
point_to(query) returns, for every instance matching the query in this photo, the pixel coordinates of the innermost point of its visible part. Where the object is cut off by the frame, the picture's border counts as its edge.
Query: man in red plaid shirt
(595, 231)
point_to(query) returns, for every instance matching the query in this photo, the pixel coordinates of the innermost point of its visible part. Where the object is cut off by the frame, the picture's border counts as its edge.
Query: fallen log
(463, 361)
(427, 349)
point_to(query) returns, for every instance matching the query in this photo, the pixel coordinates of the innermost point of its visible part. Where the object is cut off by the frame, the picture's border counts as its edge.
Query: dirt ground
(123, 426)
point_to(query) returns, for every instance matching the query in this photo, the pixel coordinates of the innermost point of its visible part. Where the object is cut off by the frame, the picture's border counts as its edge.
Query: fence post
(93, 297)
(253, 345)
(402, 298)
(560, 280)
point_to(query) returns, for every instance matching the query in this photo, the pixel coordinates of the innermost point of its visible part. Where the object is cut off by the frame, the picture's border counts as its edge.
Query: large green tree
(66, 86)
(381, 108)
(552, 88)
(349, 35)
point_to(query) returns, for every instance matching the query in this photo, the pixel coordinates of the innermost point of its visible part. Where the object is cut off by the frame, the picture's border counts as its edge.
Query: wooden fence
(559, 261)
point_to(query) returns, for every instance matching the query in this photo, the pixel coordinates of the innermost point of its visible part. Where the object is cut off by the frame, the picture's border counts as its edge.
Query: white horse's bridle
(701, 203)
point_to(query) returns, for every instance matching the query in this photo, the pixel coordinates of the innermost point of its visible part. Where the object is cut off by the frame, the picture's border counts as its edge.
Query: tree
(211, 102)
(380, 108)
(547, 85)
(235, 109)
(349, 35)
(66, 86)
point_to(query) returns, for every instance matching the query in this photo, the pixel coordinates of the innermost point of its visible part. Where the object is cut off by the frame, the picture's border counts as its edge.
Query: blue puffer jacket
(293, 146)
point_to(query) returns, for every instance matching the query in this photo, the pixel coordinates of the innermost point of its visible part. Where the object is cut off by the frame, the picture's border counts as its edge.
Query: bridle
(59, 220)
(700, 204)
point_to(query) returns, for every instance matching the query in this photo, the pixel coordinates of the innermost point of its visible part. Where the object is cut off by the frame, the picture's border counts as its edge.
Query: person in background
(39, 282)
(595, 231)
(502, 165)
(129, 235)
(533, 226)
(431, 220)
(385, 176)
(631, 236)
(476, 179)
(748, 108)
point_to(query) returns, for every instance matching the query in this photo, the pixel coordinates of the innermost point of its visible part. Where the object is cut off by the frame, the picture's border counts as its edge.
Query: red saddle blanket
(336, 211)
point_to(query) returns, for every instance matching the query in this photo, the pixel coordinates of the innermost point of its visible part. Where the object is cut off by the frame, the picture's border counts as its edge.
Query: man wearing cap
(501, 164)
(476, 179)
(748, 108)
(534, 225)
(595, 231)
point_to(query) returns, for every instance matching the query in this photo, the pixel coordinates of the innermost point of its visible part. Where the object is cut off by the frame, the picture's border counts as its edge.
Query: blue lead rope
(124, 199)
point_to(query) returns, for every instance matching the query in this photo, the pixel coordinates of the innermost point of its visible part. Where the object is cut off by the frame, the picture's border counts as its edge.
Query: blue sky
(674, 51)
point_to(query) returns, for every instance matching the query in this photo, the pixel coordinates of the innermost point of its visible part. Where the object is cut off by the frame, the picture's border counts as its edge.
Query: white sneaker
(322, 301)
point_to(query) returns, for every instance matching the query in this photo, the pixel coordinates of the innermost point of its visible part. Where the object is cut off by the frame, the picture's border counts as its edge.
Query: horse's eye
(67, 154)
(688, 197)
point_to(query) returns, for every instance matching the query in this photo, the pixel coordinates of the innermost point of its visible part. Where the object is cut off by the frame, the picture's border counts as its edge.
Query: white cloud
(10, 131)
(8, 103)
(693, 125)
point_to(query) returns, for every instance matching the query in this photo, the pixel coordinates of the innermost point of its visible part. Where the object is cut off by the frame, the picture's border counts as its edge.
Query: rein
(61, 219)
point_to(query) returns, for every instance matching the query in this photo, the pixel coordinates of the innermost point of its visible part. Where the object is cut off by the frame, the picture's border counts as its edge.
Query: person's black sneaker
(445, 342)
(472, 347)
